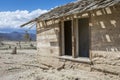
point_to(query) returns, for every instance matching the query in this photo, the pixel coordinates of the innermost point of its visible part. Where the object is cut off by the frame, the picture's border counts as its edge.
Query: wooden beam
(34, 20)
(75, 38)
(60, 39)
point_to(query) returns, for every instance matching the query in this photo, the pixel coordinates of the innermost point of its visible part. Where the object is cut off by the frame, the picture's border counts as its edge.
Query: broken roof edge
(79, 12)
(33, 20)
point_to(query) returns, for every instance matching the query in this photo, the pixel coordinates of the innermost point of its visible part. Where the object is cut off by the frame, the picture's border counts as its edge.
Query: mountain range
(15, 36)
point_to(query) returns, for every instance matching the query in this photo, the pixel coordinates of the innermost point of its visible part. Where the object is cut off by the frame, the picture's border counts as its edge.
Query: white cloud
(13, 19)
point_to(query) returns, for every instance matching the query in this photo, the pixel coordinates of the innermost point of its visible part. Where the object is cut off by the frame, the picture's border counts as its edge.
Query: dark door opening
(68, 37)
(83, 30)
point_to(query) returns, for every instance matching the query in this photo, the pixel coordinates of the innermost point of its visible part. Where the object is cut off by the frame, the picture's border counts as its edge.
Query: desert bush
(9, 46)
(2, 43)
(31, 45)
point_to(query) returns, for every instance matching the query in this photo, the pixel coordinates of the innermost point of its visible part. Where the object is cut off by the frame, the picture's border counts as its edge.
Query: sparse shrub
(9, 46)
(26, 36)
(34, 48)
(2, 43)
(31, 45)
(20, 46)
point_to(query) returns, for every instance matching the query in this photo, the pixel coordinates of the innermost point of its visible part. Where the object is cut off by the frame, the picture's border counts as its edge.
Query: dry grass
(7, 45)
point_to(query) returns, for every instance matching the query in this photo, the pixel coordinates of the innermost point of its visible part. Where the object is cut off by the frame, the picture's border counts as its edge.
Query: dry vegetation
(25, 66)
(8, 45)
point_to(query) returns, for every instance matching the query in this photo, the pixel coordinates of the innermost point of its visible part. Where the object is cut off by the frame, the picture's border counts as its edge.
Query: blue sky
(30, 5)
(16, 12)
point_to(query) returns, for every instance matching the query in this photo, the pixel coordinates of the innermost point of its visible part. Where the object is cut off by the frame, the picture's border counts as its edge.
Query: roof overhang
(31, 21)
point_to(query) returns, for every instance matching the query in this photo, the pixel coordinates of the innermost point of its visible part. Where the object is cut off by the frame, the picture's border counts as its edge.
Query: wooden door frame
(62, 37)
(75, 52)
(77, 37)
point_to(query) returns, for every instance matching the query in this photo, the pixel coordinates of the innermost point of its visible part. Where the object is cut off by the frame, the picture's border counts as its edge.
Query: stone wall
(48, 50)
(105, 40)
(105, 29)
(105, 43)
(47, 41)
(47, 45)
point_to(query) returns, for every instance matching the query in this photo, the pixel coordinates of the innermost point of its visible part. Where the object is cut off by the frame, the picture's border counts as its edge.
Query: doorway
(68, 37)
(83, 37)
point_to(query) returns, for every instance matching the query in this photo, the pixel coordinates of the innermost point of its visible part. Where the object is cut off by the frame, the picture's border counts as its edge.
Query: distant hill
(15, 36)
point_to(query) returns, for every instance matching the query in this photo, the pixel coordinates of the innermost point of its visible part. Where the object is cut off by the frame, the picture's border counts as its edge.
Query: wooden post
(75, 54)
(60, 39)
(14, 51)
(76, 38)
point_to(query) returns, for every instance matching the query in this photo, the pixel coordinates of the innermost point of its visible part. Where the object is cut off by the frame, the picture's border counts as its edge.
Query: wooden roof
(75, 7)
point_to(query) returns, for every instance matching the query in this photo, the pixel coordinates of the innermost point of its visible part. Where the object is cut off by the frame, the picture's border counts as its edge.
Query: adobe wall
(47, 44)
(105, 40)
(105, 43)
(105, 29)
(48, 50)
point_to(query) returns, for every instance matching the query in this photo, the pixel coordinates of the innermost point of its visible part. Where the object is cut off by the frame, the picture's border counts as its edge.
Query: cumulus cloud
(13, 19)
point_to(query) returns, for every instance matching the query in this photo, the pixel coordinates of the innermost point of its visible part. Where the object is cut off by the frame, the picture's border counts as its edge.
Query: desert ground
(25, 66)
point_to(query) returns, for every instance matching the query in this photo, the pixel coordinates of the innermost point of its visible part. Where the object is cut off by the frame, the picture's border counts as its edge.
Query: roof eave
(31, 21)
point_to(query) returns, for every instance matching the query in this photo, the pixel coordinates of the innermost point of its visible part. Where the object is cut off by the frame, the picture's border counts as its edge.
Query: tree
(27, 36)
(1, 39)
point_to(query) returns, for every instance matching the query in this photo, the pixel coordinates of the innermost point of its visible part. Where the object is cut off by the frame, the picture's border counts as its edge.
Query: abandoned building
(84, 34)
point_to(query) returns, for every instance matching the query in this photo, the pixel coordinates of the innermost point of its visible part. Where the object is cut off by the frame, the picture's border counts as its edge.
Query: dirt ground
(25, 66)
